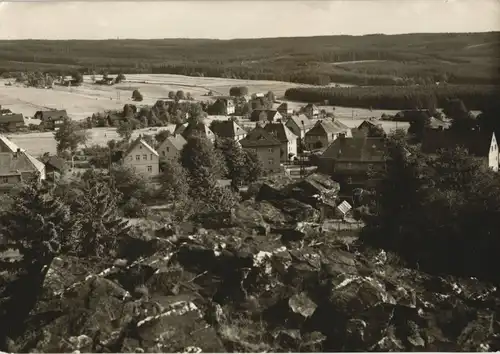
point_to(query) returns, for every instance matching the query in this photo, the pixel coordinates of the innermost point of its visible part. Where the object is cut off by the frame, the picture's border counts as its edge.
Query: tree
(270, 96)
(78, 77)
(180, 95)
(217, 108)
(171, 95)
(101, 227)
(195, 112)
(254, 167)
(137, 96)
(129, 110)
(38, 226)
(162, 135)
(238, 91)
(174, 183)
(120, 77)
(419, 125)
(125, 130)
(69, 136)
(189, 96)
(133, 189)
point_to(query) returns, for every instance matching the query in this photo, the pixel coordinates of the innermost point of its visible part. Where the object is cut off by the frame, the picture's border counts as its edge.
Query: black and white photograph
(249, 176)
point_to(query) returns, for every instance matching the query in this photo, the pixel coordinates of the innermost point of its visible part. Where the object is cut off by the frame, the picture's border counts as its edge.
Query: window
(271, 161)
(163, 152)
(349, 165)
(150, 168)
(144, 157)
(270, 150)
(137, 157)
(151, 157)
(140, 146)
(168, 149)
(349, 180)
(5, 179)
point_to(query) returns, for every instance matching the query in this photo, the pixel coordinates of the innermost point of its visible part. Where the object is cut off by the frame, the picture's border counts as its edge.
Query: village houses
(171, 147)
(265, 115)
(311, 111)
(350, 159)
(229, 129)
(299, 125)
(17, 166)
(265, 146)
(227, 103)
(198, 128)
(287, 139)
(51, 119)
(142, 158)
(324, 132)
(285, 109)
(11, 122)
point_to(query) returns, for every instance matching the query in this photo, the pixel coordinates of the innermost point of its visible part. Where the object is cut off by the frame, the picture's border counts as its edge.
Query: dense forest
(465, 58)
(475, 97)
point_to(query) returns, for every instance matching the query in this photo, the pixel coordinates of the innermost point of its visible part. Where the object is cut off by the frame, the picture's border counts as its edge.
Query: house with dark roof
(227, 103)
(265, 115)
(481, 145)
(299, 125)
(324, 132)
(311, 111)
(51, 119)
(287, 139)
(4, 110)
(54, 166)
(228, 129)
(171, 147)
(11, 122)
(285, 109)
(412, 114)
(16, 165)
(198, 128)
(350, 160)
(142, 157)
(266, 146)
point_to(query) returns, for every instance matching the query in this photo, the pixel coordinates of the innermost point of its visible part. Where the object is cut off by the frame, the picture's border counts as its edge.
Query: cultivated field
(83, 101)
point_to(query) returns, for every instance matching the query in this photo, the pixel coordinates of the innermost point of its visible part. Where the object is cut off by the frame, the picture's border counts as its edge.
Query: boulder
(296, 210)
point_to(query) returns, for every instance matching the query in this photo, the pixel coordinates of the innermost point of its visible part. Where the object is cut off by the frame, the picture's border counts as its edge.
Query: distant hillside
(464, 58)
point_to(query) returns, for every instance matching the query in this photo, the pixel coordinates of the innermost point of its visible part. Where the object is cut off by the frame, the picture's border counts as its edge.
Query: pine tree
(101, 227)
(38, 227)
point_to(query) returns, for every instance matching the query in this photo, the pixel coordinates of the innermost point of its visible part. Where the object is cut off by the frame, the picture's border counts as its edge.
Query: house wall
(312, 140)
(7, 181)
(141, 164)
(270, 157)
(168, 151)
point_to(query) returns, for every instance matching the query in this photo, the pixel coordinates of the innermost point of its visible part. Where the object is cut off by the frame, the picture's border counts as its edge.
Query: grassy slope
(464, 58)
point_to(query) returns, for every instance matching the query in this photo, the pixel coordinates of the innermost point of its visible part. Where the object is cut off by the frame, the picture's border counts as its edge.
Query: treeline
(439, 213)
(397, 97)
(376, 59)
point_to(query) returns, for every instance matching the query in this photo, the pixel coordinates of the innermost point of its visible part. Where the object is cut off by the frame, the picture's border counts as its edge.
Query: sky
(241, 19)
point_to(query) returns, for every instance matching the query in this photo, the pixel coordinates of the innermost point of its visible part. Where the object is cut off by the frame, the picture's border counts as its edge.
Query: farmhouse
(287, 139)
(54, 166)
(227, 103)
(324, 133)
(17, 166)
(265, 115)
(143, 158)
(285, 109)
(228, 129)
(311, 110)
(349, 160)
(198, 128)
(481, 145)
(171, 147)
(11, 122)
(51, 119)
(299, 125)
(265, 146)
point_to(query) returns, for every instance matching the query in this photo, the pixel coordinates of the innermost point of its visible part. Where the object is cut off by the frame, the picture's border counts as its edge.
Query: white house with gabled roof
(143, 158)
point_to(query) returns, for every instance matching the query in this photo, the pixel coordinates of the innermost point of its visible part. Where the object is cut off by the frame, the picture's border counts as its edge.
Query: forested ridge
(461, 58)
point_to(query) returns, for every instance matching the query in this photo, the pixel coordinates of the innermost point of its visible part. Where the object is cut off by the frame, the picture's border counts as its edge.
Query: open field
(84, 100)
